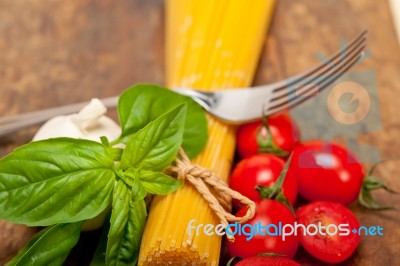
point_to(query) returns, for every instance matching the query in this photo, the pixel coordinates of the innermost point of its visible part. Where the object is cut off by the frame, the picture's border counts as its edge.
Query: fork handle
(16, 122)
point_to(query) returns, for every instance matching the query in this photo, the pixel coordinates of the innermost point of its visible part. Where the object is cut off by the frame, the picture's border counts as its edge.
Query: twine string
(213, 189)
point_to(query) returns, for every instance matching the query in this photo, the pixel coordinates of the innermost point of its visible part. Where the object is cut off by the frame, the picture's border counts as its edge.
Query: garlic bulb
(90, 123)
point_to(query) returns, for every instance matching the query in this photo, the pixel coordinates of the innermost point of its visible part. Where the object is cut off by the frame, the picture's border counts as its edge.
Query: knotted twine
(213, 189)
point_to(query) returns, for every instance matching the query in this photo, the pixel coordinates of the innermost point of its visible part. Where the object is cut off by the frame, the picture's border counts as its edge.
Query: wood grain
(60, 52)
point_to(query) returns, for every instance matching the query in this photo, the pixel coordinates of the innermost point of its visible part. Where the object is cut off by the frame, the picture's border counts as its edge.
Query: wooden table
(60, 52)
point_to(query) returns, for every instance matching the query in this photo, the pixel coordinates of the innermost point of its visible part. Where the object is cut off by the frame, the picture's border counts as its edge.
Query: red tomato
(327, 171)
(267, 260)
(284, 132)
(267, 212)
(332, 248)
(261, 169)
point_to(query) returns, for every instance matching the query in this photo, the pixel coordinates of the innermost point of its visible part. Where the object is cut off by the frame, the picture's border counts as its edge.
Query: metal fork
(235, 106)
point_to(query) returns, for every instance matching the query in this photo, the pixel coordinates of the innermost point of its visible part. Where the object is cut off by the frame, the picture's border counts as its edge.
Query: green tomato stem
(265, 141)
(371, 183)
(275, 191)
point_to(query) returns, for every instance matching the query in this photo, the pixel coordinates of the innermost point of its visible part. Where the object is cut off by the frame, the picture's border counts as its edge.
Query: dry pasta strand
(209, 45)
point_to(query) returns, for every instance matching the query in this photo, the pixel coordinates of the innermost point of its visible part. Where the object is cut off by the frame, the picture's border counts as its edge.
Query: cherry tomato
(267, 212)
(327, 171)
(261, 169)
(326, 246)
(267, 260)
(284, 132)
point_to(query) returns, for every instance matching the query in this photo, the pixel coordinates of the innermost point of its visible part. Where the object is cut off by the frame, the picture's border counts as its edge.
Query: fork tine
(311, 90)
(298, 89)
(282, 85)
(291, 87)
(323, 82)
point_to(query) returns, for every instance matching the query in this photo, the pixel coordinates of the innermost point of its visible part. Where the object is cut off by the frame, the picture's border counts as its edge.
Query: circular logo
(358, 94)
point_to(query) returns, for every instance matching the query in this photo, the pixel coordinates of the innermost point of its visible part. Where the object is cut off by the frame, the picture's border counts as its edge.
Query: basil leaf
(138, 191)
(50, 246)
(127, 224)
(158, 182)
(156, 145)
(116, 153)
(99, 256)
(143, 103)
(52, 181)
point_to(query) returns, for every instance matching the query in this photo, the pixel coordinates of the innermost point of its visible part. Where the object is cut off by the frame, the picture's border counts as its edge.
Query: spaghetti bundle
(209, 45)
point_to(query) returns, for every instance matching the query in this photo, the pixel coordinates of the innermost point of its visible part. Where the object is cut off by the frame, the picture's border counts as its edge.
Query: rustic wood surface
(60, 52)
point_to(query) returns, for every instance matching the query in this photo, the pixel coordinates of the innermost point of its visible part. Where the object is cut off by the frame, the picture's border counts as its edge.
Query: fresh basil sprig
(50, 246)
(143, 103)
(127, 223)
(155, 145)
(62, 182)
